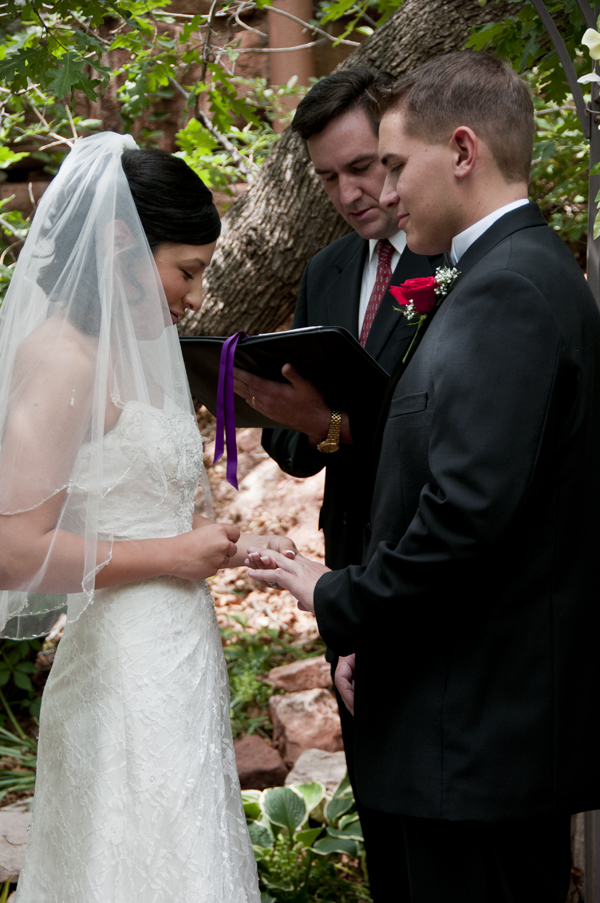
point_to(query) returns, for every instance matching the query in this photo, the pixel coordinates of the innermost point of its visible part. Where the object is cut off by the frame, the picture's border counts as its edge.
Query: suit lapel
(389, 321)
(343, 292)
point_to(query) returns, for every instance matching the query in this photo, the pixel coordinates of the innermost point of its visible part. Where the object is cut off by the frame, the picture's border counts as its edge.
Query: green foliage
(18, 761)
(559, 177)
(262, 105)
(357, 14)
(248, 656)
(17, 665)
(31, 117)
(307, 844)
(522, 39)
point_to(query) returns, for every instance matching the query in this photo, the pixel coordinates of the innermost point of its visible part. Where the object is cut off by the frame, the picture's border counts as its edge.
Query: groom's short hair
(338, 93)
(469, 88)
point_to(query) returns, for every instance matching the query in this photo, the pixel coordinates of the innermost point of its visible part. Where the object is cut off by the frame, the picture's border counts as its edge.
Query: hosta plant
(303, 840)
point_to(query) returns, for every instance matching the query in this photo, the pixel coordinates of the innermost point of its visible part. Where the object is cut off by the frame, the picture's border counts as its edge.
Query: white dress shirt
(398, 241)
(465, 239)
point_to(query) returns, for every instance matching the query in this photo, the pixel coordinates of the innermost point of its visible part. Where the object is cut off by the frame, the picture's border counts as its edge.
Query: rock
(259, 765)
(13, 840)
(308, 719)
(307, 674)
(318, 765)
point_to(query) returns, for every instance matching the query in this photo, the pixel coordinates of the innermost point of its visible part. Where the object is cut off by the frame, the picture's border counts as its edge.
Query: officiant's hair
(172, 201)
(338, 93)
(468, 88)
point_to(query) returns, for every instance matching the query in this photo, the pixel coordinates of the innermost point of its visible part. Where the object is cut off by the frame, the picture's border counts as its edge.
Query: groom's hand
(344, 680)
(297, 403)
(298, 575)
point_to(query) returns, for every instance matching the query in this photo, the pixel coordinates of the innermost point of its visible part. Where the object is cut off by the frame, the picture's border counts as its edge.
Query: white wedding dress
(137, 797)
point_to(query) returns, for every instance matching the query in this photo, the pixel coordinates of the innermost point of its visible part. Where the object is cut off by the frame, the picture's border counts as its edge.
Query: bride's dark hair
(173, 205)
(172, 202)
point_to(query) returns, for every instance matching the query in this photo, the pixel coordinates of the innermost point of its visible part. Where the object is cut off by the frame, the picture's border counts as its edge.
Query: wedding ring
(252, 401)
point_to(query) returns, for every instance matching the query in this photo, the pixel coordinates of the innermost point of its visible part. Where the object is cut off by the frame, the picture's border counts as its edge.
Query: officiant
(346, 284)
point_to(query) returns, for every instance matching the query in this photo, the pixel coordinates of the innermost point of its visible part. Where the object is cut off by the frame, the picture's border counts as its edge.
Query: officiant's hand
(298, 575)
(344, 680)
(297, 403)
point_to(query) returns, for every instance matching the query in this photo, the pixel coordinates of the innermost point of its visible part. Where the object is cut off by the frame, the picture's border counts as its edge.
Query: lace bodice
(152, 462)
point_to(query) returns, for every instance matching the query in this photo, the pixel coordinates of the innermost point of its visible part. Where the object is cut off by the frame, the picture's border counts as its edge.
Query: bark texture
(271, 232)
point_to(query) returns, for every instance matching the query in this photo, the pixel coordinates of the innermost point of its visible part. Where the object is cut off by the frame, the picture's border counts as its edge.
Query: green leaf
(352, 831)
(597, 225)
(312, 793)
(335, 845)
(308, 837)
(341, 801)
(8, 157)
(68, 76)
(251, 803)
(22, 682)
(260, 835)
(284, 807)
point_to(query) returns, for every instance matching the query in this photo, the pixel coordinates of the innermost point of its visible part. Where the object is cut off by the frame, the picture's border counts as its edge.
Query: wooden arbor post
(589, 116)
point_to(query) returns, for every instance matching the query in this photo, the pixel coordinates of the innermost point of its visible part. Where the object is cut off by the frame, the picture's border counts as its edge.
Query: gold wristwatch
(331, 443)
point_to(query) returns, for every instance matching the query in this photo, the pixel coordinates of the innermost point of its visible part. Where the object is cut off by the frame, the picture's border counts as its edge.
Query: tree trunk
(271, 232)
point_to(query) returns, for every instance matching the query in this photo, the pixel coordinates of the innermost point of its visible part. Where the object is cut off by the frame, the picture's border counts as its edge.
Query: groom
(477, 729)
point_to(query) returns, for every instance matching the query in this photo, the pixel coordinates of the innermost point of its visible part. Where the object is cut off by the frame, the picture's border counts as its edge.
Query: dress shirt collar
(464, 240)
(398, 241)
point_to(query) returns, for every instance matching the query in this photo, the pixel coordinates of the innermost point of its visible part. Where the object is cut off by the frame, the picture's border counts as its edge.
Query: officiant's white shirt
(398, 241)
(464, 240)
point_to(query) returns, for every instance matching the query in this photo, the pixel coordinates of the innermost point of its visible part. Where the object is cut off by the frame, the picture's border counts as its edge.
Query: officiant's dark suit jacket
(481, 568)
(330, 296)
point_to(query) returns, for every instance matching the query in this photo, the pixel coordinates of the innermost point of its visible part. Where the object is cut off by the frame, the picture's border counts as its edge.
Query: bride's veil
(84, 331)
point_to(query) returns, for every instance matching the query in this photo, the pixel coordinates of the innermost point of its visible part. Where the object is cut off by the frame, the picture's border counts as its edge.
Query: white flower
(444, 280)
(586, 79)
(591, 39)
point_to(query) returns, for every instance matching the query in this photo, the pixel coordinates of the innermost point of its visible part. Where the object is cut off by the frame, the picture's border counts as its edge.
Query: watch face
(328, 445)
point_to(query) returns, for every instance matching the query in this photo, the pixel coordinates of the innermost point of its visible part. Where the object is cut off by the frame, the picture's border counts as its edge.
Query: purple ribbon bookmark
(226, 409)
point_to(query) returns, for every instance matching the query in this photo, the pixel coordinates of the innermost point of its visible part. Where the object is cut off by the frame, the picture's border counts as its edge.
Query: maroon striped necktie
(385, 249)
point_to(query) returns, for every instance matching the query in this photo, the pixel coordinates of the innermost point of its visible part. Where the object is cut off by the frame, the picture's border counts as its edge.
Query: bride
(137, 797)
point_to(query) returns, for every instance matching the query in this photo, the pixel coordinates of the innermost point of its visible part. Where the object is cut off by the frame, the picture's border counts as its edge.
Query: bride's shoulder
(57, 352)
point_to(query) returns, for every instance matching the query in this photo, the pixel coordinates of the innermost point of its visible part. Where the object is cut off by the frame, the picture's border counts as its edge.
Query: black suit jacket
(330, 296)
(481, 568)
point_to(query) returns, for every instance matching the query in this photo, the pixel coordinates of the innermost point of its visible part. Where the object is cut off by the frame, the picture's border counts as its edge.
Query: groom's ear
(465, 149)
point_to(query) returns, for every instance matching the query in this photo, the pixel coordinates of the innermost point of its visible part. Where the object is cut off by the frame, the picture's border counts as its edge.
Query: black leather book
(329, 356)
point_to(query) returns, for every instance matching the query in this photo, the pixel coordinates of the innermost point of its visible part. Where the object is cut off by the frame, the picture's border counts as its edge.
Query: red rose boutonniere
(418, 297)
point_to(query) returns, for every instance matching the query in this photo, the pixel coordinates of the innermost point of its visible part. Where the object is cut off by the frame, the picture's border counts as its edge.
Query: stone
(318, 765)
(13, 840)
(307, 674)
(307, 719)
(259, 765)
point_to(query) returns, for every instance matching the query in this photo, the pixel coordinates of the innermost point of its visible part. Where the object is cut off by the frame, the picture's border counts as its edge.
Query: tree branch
(248, 169)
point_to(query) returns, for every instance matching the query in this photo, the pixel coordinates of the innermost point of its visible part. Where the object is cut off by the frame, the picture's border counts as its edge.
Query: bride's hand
(204, 550)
